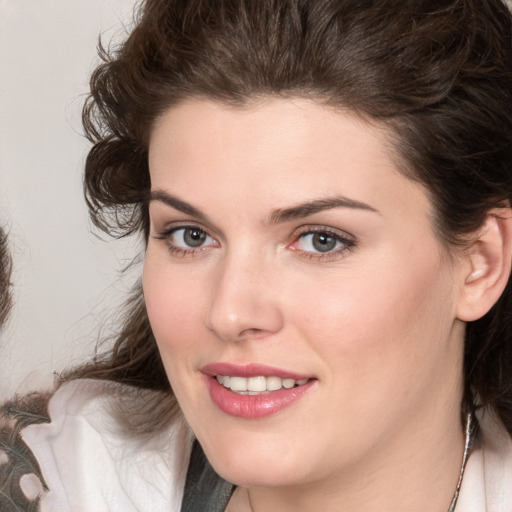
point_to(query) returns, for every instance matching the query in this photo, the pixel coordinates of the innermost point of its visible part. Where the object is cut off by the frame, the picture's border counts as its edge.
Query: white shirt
(487, 482)
(90, 465)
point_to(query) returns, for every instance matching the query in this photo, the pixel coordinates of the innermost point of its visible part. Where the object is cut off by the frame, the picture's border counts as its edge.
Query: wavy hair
(5, 278)
(437, 73)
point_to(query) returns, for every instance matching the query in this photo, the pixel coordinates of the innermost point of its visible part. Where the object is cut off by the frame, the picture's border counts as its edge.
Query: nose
(244, 300)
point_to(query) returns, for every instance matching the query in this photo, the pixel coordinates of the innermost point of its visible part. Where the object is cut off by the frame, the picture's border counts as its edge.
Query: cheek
(384, 324)
(174, 315)
(173, 305)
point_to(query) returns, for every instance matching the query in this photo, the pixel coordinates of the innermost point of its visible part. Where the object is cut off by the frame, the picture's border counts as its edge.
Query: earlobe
(489, 259)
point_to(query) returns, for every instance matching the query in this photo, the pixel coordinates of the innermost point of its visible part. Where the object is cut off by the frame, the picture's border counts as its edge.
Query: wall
(66, 280)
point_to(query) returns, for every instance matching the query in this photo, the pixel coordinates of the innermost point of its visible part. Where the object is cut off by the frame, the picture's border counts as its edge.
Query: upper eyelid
(169, 227)
(163, 226)
(343, 236)
(173, 229)
(317, 228)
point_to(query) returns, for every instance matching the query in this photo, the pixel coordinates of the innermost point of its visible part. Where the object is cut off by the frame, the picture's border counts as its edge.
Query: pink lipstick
(254, 391)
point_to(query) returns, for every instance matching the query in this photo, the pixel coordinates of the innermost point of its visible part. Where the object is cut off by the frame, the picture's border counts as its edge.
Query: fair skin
(357, 295)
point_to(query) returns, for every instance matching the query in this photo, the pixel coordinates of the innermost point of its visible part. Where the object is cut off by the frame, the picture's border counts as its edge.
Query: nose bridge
(243, 300)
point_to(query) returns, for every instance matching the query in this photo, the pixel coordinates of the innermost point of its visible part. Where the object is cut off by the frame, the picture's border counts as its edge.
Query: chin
(254, 475)
(258, 465)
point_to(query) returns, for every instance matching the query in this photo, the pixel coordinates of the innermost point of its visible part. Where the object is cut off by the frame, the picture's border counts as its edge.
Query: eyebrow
(278, 216)
(177, 204)
(319, 205)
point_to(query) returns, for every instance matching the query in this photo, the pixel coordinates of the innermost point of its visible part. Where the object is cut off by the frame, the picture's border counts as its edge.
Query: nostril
(250, 321)
(252, 333)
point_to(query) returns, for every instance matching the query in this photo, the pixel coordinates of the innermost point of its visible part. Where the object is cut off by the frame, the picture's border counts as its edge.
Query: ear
(489, 258)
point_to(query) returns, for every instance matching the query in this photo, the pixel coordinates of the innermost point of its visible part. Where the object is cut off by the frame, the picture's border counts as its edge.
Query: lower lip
(254, 406)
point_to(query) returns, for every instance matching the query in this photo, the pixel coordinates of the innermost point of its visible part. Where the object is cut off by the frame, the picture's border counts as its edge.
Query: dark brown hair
(5, 278)
(437, 73)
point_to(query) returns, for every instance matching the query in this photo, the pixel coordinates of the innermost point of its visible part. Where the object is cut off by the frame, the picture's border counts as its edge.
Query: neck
(420, 474)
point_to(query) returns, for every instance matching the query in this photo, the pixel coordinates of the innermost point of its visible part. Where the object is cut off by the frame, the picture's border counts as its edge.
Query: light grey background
(66, 280)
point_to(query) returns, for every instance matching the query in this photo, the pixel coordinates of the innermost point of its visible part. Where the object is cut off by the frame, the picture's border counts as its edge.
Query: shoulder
(97, 453)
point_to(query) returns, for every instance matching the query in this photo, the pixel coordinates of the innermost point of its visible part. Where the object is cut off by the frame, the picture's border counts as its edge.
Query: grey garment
(205, 491)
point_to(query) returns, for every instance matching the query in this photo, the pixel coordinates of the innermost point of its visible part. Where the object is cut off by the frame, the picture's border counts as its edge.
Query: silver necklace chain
(471, 428)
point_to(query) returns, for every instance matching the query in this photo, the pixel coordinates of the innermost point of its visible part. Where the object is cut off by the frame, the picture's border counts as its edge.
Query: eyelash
(346, 242)
(181, 252)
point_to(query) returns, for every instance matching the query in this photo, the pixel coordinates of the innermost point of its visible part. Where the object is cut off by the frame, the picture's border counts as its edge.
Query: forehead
(283, 150)
(272, 118)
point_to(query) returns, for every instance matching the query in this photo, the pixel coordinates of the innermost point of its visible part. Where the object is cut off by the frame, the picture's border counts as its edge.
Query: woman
(324, 191)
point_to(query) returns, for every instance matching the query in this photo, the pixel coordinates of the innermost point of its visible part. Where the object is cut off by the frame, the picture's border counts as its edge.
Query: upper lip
(250, 370)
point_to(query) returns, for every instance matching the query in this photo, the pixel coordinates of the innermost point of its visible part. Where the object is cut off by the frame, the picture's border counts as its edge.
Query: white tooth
(274, 383)
(256, 384)
(238, 383)
(288, 383)
(220, 379)
(301, 381)
(225, 381)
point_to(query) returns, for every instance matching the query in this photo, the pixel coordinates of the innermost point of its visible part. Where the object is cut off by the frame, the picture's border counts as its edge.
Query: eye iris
(194, 237)
(322, 242)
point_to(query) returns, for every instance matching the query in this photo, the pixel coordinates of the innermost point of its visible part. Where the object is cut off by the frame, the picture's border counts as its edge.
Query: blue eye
(189, 238)
(323, 244)
(319, 242)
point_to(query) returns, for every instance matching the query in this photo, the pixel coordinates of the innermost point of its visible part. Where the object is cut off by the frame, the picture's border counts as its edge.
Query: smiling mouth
(257, 385)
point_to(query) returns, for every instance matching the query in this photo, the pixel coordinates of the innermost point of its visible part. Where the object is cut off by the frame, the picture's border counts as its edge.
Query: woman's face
(287, 250)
